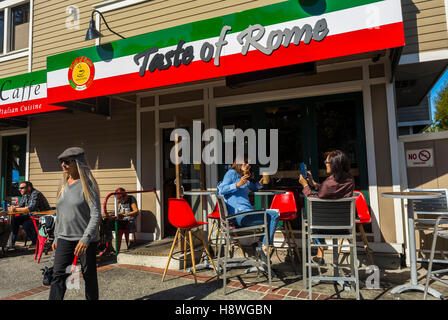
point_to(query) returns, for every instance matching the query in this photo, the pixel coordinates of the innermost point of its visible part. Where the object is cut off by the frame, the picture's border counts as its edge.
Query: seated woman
(340, 184)
(235, 188)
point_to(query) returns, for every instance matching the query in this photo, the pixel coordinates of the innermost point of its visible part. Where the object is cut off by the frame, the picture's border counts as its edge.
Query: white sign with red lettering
(420, 158)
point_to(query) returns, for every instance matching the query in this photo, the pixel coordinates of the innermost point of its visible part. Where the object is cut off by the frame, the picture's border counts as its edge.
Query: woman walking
(78, 216)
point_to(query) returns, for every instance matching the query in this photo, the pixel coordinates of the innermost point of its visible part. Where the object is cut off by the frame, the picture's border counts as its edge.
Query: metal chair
(333, 219)
(439, 231)
(363, 217)
(230, 234)
(428, 208)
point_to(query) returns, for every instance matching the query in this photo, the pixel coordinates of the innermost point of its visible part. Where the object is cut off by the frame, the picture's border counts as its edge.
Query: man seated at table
(32, 201)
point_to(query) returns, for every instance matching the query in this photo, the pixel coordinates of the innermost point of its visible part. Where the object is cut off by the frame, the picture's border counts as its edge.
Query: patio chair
(439, 231)
(363, 217)
(230, 235)
(216, 220)
(181, 216)
(427, 211)
(333, 219)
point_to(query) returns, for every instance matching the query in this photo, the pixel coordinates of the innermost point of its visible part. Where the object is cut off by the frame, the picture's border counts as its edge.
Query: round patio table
(410, 196)
(203, 200)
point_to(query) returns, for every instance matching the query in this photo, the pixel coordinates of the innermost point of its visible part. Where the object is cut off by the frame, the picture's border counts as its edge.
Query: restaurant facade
(320, 72)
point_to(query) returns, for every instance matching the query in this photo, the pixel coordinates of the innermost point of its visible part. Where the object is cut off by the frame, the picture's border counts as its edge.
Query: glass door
(13, 166)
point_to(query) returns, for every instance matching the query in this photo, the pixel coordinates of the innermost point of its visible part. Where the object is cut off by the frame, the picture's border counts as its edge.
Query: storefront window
(307, 129)
(20, 17)
(13, 166)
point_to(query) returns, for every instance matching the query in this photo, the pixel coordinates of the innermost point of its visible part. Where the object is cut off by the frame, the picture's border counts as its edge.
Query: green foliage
(441, 115)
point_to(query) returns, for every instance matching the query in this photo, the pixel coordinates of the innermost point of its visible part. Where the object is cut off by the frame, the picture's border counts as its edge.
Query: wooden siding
(425, 25)
(51, 36)
(435, 177)
(13, 67)
(162, 14)
(110, 148)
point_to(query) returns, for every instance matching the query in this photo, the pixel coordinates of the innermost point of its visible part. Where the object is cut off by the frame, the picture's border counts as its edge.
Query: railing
(116, 203)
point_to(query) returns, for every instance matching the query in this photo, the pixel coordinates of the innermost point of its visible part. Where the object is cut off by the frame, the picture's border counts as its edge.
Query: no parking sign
(420, 158)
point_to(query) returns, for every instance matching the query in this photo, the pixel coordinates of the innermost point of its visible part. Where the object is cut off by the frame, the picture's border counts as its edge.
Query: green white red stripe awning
(351, 27)
(24, 94)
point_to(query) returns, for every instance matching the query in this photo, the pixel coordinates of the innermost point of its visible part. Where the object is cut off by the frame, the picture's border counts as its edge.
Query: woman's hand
(80, 249)
(303, 181)
(310, 179)
(244, 179)
(261, 181)
(53, 246)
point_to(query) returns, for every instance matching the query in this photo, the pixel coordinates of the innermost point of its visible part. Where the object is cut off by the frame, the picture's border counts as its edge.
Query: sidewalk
(23, 280)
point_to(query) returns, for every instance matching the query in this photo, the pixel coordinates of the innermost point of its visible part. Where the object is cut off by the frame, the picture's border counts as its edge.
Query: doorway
(191, 176)
(13, 167)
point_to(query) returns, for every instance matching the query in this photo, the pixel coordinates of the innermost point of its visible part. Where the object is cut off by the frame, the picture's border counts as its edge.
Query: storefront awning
(287, 33)
(24, 94)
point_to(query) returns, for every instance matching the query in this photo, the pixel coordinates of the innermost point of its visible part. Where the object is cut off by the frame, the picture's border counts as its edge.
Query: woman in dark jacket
(340, 184)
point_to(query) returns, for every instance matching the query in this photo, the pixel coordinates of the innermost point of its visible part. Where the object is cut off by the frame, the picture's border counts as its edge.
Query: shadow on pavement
(186, 292)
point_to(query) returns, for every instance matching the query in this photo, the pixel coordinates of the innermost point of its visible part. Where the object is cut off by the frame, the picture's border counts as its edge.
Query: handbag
(47, 272)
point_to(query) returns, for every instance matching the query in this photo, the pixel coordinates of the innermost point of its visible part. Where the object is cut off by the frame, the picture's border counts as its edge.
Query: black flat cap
(75, 152)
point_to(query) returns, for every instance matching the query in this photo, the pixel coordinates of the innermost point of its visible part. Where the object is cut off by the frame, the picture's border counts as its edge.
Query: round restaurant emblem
(81, 73)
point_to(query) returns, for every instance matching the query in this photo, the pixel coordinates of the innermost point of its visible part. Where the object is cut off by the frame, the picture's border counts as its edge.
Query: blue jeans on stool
(257, 219)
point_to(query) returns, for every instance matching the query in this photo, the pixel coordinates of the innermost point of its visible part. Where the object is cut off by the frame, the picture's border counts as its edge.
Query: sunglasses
(21, 188)
(66, 161)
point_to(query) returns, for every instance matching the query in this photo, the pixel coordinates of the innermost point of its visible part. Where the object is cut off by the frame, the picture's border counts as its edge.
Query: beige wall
(383, 162)
(435, 177)
(425, 25)
(110, 148)
(13, 67)
(161, 14)
(50, 34)
(430, 177)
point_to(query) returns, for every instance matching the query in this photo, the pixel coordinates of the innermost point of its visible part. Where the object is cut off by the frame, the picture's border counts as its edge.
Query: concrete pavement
(21, 278)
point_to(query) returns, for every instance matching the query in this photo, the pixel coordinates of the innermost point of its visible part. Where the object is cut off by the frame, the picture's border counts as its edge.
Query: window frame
(7, 6)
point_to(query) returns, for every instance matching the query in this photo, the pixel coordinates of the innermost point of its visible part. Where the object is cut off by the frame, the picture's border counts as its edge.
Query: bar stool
(286, 204)
(363, 217)
(216, 220)
(181, 216)
(438, 232)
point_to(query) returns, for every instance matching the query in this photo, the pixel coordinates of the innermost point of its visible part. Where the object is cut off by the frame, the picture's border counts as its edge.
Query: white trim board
(111, 5)
(424, 56)
(424, 136)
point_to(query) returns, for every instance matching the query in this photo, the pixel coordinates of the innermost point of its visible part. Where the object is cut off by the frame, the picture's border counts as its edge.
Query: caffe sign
(24, 94)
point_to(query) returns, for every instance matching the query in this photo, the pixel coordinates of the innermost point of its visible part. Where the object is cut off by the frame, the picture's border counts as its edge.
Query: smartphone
(303, 170)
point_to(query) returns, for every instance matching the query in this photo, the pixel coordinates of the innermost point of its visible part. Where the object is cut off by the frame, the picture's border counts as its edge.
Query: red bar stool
(286, 204)
(364, 217)
(182, 217)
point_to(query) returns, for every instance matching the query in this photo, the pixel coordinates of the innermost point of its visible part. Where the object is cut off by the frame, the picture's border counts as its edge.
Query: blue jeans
(257, 219)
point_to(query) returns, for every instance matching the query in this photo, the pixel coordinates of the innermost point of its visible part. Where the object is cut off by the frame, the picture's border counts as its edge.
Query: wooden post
(176, 150)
